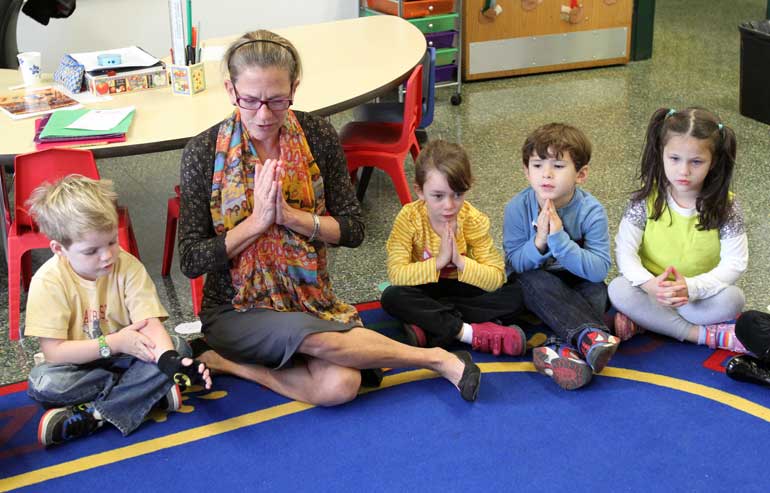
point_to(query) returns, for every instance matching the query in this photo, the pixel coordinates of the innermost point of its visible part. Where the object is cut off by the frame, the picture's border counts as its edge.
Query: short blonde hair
(73, 206)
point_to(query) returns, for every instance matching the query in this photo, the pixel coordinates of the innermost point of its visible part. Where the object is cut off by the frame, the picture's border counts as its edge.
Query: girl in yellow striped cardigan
(447, 278)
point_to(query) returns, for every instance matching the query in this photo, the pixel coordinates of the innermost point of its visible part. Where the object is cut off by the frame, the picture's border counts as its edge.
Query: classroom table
(344, 63)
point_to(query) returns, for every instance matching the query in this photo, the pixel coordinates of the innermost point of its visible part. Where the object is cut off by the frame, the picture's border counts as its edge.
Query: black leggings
(440, 308)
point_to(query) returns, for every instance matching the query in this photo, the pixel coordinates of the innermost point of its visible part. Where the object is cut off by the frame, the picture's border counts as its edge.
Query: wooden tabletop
(345, 63)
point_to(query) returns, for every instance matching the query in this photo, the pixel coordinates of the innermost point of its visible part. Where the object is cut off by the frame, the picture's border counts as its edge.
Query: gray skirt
(261, 336)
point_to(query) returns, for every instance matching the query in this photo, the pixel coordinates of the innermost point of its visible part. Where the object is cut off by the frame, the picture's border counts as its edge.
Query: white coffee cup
(29, 65)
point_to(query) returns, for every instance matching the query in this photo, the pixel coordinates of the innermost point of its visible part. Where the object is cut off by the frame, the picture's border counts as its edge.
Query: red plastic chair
(385, 145)
(30, 171)
(172, 217)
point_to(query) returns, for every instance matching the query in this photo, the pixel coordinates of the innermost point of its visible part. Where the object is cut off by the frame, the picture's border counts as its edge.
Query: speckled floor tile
(696, 62)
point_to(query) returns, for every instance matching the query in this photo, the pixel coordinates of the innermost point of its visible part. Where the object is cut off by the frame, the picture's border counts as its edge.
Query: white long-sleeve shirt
(733, 254)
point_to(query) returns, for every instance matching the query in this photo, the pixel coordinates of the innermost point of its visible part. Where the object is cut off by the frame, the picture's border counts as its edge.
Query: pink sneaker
(625, 328)
(415, 336)
(722, 336)
(489, 337)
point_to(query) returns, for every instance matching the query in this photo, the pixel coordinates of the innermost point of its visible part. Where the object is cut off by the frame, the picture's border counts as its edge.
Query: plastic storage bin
(414, 8)
(755, 74)
(441, 40)
(445, 56)
(446, 73)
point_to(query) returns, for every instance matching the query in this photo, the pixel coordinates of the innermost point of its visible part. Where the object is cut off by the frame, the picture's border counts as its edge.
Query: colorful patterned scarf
(281, 270)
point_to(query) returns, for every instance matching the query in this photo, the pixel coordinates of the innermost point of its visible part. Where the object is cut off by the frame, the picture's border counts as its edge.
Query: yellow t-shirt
(63, 305)
(413, 246)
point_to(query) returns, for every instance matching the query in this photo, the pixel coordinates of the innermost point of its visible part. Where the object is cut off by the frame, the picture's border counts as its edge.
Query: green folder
(56, 126)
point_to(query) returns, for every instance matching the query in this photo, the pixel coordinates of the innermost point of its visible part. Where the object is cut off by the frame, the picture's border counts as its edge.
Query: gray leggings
(674, 322)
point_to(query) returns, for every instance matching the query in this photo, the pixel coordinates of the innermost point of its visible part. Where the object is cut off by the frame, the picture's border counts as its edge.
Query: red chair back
(46, 166)
(412, 106)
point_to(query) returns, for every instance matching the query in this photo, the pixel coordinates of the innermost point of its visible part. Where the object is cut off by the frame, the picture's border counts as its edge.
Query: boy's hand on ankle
(131, 341)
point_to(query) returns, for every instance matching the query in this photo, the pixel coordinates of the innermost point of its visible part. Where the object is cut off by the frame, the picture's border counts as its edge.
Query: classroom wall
(105, 24)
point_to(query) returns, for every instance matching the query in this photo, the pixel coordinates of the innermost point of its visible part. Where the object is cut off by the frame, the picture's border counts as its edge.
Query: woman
(263, 192)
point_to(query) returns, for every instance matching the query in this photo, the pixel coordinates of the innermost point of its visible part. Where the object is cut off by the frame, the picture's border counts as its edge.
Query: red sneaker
(597, 347)
(563, 364)
(489, 337)
(625, 328)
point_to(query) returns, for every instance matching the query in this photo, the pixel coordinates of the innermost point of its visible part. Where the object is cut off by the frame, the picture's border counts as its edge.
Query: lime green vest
(674, 240)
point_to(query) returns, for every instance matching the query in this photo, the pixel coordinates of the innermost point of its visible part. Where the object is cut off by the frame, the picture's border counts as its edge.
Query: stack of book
(53, 131)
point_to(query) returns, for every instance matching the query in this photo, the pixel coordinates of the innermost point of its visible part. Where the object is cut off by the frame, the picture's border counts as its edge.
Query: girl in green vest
(682, 244)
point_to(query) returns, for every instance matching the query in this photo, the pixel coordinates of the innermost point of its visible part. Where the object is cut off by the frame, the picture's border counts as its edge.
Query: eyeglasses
(256, 104)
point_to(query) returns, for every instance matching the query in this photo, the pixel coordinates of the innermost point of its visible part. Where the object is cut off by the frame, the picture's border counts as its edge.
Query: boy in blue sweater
(557, 244)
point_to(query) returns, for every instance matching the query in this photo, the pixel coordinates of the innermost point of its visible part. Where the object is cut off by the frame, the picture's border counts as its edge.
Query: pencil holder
(187, 79)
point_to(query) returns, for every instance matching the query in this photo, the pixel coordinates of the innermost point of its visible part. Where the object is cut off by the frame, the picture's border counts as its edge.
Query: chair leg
(26, 269)
(172, 215)
(133, 243)
(363, 182)
(196, 289)
(399, 182)
(14, 293)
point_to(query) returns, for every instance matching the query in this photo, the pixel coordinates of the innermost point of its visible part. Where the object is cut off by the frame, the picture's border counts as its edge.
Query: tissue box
(132, 80)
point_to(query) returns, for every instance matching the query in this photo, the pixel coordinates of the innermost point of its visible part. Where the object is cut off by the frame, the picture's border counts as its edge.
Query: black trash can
(755, 71)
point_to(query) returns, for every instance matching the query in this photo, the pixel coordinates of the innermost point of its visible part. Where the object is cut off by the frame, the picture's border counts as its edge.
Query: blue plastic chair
(392, 112)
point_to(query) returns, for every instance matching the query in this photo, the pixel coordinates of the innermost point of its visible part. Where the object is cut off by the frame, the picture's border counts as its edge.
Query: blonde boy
(98, 318)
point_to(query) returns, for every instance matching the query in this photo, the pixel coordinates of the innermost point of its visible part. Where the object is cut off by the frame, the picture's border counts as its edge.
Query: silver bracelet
(316, 228)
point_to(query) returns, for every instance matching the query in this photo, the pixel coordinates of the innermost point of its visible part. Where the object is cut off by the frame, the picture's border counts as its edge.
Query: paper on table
(101, 119)
(132, 56)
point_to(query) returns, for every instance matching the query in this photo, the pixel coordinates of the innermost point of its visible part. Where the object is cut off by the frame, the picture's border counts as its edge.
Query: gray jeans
(674, 322)
(122, 388)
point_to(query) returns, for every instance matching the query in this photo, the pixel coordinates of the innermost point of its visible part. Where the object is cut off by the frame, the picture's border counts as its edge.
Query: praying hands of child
(667, 292)
(548, 222)
(448, 252)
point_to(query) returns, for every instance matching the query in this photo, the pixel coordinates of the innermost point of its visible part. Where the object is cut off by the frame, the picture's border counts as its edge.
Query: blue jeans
(566, 303)
(122, 388)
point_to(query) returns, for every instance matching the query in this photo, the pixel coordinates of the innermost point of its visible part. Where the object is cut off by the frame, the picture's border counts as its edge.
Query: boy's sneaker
(489, 337)
(625, 328)
(722, 336)
(563, 364)
(415, 336)
(172, 401)
(597, 347)
(65, 423)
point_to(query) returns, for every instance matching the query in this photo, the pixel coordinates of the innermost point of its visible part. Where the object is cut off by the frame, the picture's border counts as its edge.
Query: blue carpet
(656, 420)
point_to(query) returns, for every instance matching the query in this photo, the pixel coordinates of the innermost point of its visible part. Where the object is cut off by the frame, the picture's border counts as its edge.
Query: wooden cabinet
(533, 36)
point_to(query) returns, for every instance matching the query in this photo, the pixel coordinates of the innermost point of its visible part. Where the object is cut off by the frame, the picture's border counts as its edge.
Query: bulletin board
(517, 37)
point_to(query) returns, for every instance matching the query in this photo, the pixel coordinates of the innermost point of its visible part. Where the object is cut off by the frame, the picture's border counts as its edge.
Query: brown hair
(73, 207)
(449, 159)
(713, 201)
(555, 138)
(262, 48)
